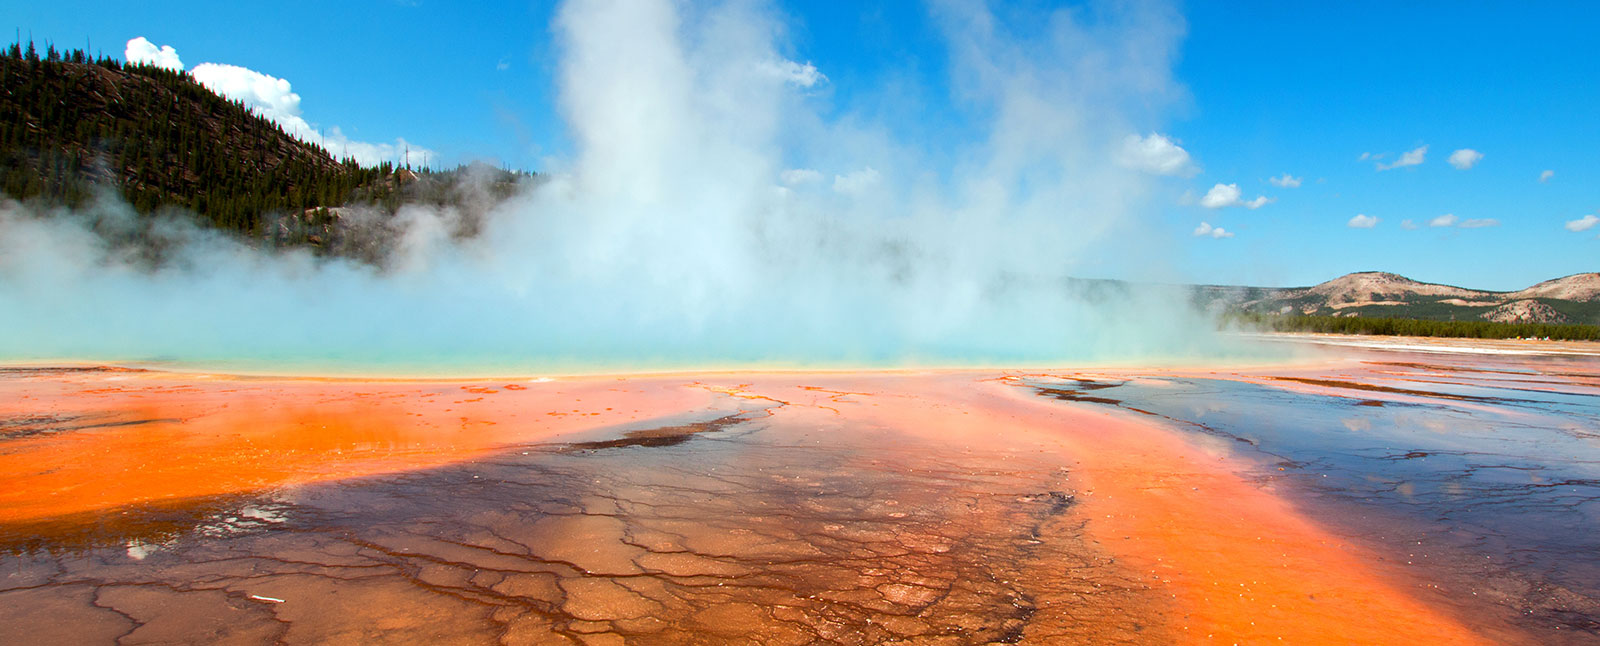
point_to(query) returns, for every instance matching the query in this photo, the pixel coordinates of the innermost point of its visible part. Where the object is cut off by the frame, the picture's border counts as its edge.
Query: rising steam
(719, 211)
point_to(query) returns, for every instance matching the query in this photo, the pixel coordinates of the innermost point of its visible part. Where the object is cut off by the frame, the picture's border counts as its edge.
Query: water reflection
(1488, 486)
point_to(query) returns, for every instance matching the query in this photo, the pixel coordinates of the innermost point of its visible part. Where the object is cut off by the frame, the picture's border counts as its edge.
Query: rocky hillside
(1571, 299)
(1526, 312)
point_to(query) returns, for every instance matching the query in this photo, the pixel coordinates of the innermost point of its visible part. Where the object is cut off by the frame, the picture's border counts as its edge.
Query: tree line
(1413, 327)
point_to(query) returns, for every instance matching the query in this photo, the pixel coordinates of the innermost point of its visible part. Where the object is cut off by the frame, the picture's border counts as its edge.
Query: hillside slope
(1577, 287)
(71, 128)
(68, 124)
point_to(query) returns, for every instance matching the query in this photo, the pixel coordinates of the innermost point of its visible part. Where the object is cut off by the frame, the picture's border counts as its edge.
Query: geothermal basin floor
(1366, 495)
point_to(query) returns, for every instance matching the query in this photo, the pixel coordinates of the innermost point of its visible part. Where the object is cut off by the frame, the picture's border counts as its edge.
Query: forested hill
(69, 123)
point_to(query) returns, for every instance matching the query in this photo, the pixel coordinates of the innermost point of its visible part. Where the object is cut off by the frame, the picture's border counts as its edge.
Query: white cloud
(268, 96)
(1583, 224)
(1205, 230)
(1450, 220)
(1156, 154)
(1286, 181)
(1363, 221)
(273, 98)
(857, 182)
(797, 176)
(1409, 225)
(801, 74)
(1409, 158)
(1545, 176)
(1367, 156)
(502, 66)
(1221, 195)
(1464, 158)
(1224, 195)
(143, 51)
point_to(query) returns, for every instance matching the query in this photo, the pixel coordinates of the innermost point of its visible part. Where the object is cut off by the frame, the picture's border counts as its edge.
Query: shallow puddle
(1481, 489)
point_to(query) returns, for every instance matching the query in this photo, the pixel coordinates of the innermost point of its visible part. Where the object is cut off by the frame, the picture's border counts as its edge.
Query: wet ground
(1366, 497)
(1481, 479)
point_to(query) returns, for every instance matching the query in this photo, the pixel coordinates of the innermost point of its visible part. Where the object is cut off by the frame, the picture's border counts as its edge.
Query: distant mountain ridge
(1577, 287)
(1375, 294)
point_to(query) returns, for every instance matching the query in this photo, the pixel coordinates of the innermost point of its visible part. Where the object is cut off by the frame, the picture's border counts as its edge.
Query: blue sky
(1261, 90)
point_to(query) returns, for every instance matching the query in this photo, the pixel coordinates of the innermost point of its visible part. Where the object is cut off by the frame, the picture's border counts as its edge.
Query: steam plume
(670, 240)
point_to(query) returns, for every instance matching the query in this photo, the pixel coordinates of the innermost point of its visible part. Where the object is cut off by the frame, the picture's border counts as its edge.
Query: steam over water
(722, 208)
